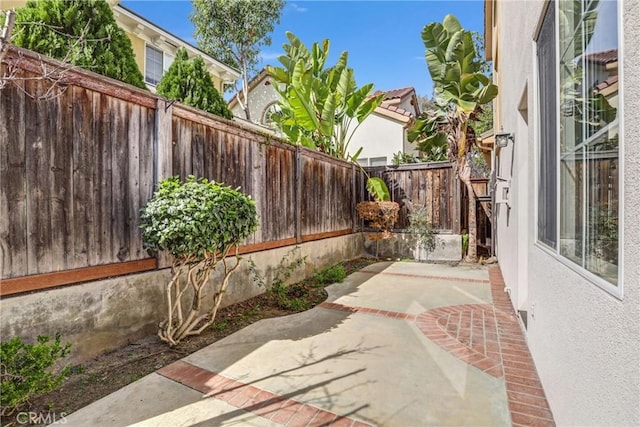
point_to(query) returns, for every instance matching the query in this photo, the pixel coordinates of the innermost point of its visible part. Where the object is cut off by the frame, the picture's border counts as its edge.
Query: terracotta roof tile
(604, 57)
(605, 84)
(395, 109)
(395, 93)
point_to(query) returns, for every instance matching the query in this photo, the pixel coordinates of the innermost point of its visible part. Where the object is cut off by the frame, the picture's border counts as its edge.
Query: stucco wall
(584, 341)
(138, 50)
(259, 98)
(102, 315)
(379, 135)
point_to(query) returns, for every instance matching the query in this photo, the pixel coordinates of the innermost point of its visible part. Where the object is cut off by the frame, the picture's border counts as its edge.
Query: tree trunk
(472, 255)
(245, 93)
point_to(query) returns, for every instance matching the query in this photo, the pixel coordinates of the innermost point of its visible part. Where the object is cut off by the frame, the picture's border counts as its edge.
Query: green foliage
(319, 105)
(334, 274)
(465, 242)
(25, 370)
(461, 89)
(196, 218)
(401, 158)
(378, 189)
(420, 225)
(233, 31)
(283, 296)
(82, 32)
(188, 81)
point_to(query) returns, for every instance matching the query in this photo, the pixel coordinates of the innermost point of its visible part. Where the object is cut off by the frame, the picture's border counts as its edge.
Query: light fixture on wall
(502, 138)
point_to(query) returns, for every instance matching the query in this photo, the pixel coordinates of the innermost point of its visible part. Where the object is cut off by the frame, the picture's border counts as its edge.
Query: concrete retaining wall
(103, 315)
(405, 245)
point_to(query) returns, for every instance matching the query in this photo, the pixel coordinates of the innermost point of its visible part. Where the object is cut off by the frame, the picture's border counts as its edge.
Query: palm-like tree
(461, 89)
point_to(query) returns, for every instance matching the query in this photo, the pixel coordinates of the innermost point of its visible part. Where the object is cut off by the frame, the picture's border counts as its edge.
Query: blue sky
(382, 37)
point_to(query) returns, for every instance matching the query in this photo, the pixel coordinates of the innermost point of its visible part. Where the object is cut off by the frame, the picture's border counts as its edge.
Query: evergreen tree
(188, 81)
(82, 32)
(233, 31)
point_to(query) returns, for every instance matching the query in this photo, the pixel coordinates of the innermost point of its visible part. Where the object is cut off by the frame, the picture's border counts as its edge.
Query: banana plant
(321, 108)
(461, 89)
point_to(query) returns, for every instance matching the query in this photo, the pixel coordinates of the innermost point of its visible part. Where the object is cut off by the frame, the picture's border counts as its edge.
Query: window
(378, 161)
(153, 65)
(547, 158)
(267, 119)
(587, 124)
(363, 161)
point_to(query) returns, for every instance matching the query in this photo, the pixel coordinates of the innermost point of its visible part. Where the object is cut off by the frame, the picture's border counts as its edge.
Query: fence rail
(76, 169)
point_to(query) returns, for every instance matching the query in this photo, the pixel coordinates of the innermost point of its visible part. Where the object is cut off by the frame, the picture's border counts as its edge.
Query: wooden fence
(432, 185)
(76, 168)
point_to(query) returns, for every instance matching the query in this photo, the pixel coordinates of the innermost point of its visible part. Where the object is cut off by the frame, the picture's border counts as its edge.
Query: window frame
(616, 290)
(150, 46)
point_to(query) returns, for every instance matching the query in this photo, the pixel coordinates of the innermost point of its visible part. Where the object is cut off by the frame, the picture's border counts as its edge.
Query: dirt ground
(112, 371)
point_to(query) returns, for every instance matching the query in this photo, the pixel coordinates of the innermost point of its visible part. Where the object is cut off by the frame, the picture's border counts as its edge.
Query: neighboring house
(568, 197)
(263, 100)
(381, 135)
(384, 132)
(155, 48)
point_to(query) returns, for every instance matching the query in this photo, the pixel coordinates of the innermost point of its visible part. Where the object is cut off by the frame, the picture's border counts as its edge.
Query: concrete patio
(396, 344)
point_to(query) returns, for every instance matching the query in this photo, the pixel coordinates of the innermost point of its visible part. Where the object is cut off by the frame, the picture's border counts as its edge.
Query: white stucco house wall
(381, 135)
(569, 188)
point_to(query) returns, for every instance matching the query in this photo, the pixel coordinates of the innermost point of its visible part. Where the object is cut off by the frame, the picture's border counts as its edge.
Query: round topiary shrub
(200, 223)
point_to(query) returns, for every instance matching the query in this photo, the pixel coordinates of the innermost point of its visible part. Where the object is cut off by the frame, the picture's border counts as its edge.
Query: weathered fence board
(429, 184)
(75, 170)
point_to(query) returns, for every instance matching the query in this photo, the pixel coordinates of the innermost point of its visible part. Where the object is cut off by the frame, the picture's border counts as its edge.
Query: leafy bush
(199, 222)
(420, 225)
(188, 81)
(195, 219)
(335, 274)
(82, 32)
(25, 370)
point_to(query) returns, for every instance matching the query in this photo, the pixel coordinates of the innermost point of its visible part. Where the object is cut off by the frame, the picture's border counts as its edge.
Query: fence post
(163, 156)
(456, 211)
(297, 172)
(354, 194)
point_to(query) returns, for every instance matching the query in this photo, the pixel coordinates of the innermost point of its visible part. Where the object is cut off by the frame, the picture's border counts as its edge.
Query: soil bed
(112, 371)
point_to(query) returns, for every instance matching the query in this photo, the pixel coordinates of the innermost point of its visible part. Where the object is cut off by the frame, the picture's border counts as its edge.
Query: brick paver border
(277, 408)
(486, 336)
(527, 401)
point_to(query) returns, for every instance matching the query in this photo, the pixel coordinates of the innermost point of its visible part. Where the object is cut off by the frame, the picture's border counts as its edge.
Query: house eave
(136, 24)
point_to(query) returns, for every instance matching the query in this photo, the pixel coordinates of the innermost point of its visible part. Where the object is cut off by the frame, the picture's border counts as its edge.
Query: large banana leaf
(328, 115)
(378, 189)
(451, 24)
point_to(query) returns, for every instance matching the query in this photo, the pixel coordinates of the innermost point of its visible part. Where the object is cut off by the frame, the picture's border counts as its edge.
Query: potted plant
(381, 213)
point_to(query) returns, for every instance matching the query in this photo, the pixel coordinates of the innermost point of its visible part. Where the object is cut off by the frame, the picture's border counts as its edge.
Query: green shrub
(25, 370)
(200, 223)
(188, 81)
(420, 226)
(197, 218)
(104, 48)
(335, 274)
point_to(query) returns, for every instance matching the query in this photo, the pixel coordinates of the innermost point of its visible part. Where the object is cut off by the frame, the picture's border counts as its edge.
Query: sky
(382, 37)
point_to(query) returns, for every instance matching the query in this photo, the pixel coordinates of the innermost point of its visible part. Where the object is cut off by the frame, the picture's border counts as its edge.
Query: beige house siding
(138, 49)
(142, 32)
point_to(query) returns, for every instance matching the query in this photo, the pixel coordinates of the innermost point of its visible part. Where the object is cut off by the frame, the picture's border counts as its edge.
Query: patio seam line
(425, 276)
(528, 404)
(249, 398)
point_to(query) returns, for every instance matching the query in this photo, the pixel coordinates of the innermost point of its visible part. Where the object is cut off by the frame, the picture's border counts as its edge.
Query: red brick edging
(279, 409)
(527, 401)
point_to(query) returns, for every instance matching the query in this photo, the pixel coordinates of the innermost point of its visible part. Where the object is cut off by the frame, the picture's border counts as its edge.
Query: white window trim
(615, 290)
(145, 63)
